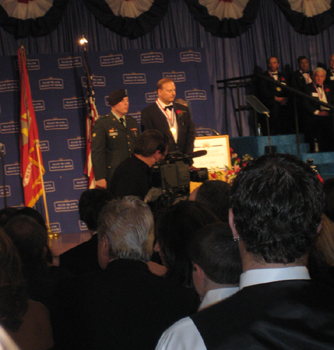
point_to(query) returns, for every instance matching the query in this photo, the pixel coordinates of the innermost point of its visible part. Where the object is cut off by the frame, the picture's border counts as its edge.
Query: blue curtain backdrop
(271, 34)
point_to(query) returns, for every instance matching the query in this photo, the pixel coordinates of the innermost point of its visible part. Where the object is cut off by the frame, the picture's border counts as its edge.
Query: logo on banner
(96, 81)
(69, 62)
(32, 64)
(150, 97)
(191, 95)
(74, 102)
(12, 169)
(80, 184)
(151, 57)
(9, 128)
(55, 124)
(2, 191)
(9, 85)
(79, 142)
(51, 83)
(55, 227)
(44, 145)
(112, 60)
(177, 77)
(82, 226)
(49, 186)
(38, 105)
(61, 165)
(134, 78)
(137, 116)
(66, 206)
(190, 56)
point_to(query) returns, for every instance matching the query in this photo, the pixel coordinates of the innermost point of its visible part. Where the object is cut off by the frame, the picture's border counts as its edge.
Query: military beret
(117, 96)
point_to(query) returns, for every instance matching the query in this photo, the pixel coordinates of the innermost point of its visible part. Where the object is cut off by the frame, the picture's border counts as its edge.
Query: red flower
(238, 159)
(327, 90)
(244, 164)
(178, 111)
(282, 79)
(214, 175)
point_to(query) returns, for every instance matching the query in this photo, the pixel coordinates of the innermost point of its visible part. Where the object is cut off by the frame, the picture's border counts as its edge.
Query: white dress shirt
(170, 117)
(183, 335)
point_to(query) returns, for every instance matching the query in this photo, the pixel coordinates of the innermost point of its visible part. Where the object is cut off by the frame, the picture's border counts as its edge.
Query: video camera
(173, 175)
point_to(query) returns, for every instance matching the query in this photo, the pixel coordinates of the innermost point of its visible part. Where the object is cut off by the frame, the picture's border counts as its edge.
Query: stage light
(83, 41)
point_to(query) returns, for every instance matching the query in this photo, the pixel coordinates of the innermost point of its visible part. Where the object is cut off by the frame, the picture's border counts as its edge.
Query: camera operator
(134, 175)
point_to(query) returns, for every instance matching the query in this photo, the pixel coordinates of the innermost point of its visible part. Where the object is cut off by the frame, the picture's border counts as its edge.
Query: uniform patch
(94, 134)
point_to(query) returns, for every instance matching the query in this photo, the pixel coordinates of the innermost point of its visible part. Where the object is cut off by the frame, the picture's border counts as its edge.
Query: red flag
(30, 154)
(91, 117)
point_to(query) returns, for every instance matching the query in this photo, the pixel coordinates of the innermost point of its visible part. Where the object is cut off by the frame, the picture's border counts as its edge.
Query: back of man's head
(30, 239)
(149, 142)
(214, 194)
(216, 253)
(90, 205)
(277, 203)
(128, 225)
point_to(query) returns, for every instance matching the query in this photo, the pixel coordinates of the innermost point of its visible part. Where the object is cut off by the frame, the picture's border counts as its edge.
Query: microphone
(2, 153)
(215, 132)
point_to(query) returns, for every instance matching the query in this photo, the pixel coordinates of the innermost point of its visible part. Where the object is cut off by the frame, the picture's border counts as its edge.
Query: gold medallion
(173, 131)
(278, 88)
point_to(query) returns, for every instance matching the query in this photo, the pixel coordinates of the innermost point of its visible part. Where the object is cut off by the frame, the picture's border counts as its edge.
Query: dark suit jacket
(329, 78)
(111, 144)
(296, 314)
(124, 307)
(298, 81)
(153, 118)
(82, 258)
(268, 91)
(312, 106)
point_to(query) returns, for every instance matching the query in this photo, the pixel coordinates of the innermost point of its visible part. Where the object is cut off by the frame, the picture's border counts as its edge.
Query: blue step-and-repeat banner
(58, 92)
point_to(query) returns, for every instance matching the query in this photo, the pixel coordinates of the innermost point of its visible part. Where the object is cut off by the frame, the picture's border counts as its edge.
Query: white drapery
(26, 9)
(129, 8)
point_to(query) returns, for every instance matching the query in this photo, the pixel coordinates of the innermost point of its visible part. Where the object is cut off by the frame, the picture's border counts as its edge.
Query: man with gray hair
(319, 119)
(123, 306)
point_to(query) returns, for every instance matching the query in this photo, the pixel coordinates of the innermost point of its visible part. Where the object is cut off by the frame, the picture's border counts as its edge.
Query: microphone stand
(4, 178)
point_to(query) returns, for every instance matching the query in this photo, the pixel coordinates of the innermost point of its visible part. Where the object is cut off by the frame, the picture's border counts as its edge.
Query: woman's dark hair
(13, 296)
(175, 227)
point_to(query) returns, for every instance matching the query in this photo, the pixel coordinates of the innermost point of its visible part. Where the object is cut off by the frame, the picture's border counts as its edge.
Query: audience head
(215, 257)
(13, 297)
(328, 188)
(214, 195)
(331, 62)
(30, 239)
(125, 231)
(6, 214)
(276, 203)
(151, 142)
(175, 229)
(90, 205)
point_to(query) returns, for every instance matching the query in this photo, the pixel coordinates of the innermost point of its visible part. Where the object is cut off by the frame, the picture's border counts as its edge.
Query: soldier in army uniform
(113, 138)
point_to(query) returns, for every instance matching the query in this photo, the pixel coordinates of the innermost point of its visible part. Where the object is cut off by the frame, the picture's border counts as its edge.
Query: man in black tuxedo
(275, 98)
(113, 138)
(275, 217)
(172, 119)
(319, 119)
(330, 73)
(123, 306)
(302, 76)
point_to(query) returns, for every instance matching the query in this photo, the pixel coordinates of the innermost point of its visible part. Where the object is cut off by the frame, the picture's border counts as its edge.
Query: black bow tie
(274, 73)
(319, 86)
(169, 107)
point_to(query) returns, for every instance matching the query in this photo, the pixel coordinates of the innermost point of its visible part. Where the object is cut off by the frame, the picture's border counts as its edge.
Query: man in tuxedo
(113, 138)
(319, 119)
(330, 73)
(275, 216)
(123, 306)
(275, 98)
(302, 76)
(172, 119)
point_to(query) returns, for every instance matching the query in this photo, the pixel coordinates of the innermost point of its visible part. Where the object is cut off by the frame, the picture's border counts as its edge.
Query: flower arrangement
(236, 165)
